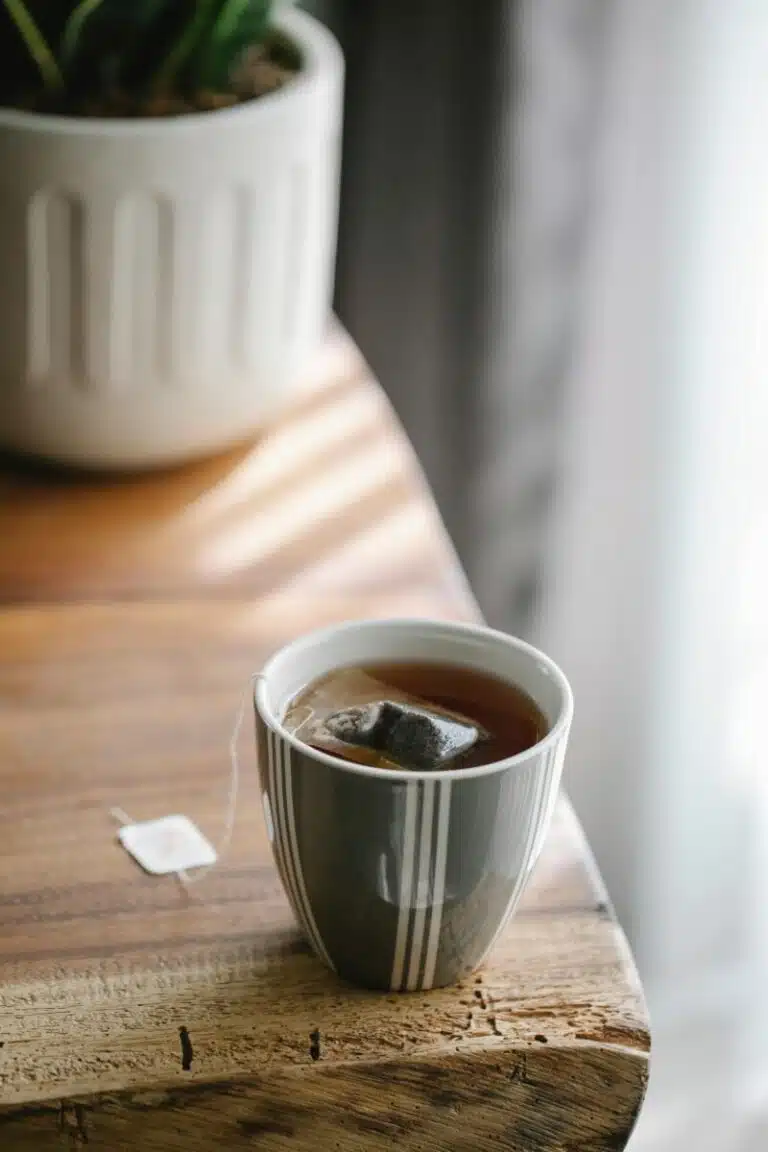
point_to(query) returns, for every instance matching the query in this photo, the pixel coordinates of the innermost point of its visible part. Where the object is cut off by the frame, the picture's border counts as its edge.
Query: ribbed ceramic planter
(163, 281)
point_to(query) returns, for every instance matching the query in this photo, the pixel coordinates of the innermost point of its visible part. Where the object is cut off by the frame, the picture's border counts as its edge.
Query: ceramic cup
(403, 880)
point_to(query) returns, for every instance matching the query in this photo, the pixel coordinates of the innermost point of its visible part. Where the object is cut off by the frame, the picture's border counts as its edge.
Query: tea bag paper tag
(170, 844)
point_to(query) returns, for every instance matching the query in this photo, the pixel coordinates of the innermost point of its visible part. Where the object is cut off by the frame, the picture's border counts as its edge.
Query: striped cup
(403, 880)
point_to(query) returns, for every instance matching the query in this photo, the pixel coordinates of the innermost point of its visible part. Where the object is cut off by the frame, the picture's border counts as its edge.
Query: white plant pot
(163, 281)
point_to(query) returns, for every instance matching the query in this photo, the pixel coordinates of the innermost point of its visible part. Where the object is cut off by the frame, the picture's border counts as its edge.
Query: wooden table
(135, 1014)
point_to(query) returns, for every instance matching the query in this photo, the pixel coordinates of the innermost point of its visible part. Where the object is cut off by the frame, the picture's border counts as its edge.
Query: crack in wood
(494, 1026)
(187, 1051)
(72, 1122)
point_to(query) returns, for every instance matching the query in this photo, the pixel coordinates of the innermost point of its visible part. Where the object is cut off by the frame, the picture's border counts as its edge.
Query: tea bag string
(122, 817)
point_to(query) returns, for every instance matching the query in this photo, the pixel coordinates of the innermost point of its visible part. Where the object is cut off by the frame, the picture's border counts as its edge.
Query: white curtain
(657, 601)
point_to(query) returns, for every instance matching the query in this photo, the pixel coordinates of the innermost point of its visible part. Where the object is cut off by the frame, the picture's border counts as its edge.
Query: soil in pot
(264, 68)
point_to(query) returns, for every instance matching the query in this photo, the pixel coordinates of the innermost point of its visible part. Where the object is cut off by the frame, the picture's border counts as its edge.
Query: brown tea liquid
(511, 720)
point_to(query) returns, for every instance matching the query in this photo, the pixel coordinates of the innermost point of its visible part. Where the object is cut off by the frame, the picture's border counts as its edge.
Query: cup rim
(319, 635)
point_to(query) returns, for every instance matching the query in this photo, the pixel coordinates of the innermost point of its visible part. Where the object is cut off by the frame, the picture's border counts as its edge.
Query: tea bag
(353, 715)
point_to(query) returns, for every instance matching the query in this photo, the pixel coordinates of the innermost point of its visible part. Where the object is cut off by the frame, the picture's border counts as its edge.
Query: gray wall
(467, 160)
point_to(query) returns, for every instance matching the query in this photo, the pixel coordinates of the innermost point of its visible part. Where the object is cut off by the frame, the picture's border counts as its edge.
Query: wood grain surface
(137, 1014)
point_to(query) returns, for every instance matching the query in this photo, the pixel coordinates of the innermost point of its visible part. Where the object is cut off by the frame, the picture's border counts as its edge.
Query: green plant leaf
(187, 44)
(117, 44)
(74, 27)
(240, 25)
(35, 44)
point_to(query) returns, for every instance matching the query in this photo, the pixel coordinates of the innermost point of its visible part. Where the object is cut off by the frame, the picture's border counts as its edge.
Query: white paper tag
(170, 844)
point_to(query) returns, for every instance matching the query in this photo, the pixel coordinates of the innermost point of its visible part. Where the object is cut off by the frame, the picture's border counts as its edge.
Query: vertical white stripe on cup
(282, 769)
(313, 932)
(272, 793)
(275, 784)
(407, 862)
(438, 892)
(422, 884)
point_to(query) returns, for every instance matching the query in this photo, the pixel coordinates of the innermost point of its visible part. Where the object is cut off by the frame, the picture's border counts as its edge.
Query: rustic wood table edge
(137, 1014)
